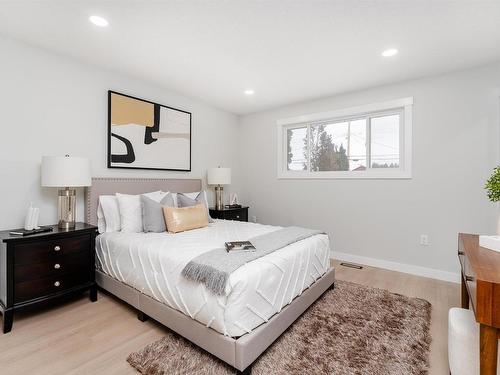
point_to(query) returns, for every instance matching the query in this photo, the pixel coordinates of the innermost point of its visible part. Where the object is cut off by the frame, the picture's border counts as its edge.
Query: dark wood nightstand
(45, 266)
(238, 214)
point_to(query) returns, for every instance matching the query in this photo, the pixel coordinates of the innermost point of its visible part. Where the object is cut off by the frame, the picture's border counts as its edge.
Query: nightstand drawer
(240, 215)
(48, 251)
(61, 265)
(28, 290)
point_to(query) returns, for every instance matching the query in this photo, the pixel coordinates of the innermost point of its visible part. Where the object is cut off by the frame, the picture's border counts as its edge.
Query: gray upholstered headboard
(110, 186)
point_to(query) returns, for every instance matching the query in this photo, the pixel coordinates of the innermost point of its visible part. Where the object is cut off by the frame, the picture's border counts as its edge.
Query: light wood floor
(79, 337)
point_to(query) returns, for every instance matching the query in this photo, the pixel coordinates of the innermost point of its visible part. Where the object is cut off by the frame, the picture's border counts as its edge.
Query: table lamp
(66, 172)
(219, 176)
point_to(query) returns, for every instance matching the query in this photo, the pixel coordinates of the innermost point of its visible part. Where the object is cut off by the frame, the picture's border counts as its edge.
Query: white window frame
(404, 171)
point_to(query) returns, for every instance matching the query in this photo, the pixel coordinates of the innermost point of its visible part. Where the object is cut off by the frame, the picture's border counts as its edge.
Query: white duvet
(152, 263)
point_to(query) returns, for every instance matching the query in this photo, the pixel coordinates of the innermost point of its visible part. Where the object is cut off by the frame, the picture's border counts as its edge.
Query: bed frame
(239, 352)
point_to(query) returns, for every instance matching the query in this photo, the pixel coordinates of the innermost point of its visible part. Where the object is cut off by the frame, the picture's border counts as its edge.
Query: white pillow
(111, 213)
(101, 221)
(130, 212)
(130, 208)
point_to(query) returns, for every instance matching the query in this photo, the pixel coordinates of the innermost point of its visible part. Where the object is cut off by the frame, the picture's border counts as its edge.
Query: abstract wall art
(147, 135)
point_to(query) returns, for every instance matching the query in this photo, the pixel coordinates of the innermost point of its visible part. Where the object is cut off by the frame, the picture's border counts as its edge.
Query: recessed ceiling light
(249, 92)
(390, 52)
(99, 21)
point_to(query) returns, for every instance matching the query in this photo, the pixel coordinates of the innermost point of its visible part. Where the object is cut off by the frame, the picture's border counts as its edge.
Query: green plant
(493, 185)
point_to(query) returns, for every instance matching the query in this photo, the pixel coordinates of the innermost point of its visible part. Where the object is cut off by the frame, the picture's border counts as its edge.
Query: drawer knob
(237, 216)
(57, 283)
(57, 248)
(469, 278)
(57, 266)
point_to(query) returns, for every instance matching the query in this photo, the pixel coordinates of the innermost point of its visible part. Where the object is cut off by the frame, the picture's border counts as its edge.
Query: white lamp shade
(65, 171)
(219, 176)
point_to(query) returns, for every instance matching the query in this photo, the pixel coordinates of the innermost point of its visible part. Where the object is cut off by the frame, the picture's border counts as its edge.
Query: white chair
(463, 342)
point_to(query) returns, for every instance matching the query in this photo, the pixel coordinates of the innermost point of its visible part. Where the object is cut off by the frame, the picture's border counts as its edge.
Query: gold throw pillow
(185, 218)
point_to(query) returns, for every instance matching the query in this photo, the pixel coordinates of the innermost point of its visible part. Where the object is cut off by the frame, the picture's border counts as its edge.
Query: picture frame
(146, 135)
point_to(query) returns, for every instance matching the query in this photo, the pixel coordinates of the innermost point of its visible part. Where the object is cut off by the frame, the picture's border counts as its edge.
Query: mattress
(152, 263)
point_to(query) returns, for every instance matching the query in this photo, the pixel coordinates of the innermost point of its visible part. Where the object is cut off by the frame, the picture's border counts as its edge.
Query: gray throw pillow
(185, 201)
(152, 213)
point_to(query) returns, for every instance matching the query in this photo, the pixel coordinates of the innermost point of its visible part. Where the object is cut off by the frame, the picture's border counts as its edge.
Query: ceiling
(287, 51)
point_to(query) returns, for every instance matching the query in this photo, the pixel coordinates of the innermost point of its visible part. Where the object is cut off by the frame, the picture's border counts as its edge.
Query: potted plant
(493, 190)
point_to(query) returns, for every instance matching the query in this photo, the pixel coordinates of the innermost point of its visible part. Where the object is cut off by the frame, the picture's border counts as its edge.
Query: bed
(262, 298)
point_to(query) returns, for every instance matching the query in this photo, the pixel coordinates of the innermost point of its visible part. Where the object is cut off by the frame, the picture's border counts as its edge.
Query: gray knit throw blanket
(214, 267)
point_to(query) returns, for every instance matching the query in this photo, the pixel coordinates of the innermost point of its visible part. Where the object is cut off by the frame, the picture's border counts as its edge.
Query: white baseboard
(400, 267)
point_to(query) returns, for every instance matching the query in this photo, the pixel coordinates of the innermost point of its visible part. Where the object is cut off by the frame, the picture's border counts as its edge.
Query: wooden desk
(481, 288)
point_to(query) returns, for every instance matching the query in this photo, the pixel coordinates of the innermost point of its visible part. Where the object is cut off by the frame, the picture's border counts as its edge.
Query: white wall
(52, 105)
(455, 146)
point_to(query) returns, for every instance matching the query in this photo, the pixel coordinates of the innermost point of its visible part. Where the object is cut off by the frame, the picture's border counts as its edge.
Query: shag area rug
(351, 330)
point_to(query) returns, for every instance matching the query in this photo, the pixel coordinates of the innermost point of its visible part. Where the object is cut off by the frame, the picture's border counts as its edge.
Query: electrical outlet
(424, 240)
(254, 219)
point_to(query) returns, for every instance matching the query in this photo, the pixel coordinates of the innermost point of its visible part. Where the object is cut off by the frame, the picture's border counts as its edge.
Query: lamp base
(218, 198)
(67, 208)
(67, 225)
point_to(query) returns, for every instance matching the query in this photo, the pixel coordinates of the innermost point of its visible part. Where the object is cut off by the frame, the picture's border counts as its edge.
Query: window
(373, 141)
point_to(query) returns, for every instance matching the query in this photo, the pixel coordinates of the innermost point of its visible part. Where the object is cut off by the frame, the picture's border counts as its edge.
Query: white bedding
(152, 263)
